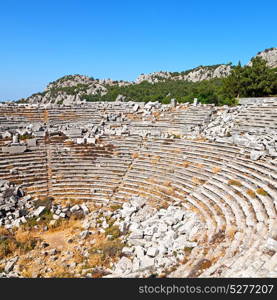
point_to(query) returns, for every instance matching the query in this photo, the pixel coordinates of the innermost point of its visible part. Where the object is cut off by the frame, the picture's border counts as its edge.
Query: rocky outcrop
(76, 89)
(270, 56)
(198, 74)
(73, 90)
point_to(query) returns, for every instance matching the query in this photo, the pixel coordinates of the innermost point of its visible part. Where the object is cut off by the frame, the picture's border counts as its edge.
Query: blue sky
(41, 41)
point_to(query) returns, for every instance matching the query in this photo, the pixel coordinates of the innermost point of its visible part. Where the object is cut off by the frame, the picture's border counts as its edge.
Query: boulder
(271, 244)
(127, 251)
(85, 209)
(152, 252)
(147, 262)
(255, 155)
(10, 264)
(124, 266)
(138, 234)
(139, 251)
(38, 211)
(75, 208)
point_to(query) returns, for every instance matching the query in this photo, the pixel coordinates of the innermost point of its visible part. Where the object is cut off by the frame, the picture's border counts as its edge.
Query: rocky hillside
(206, 72)
(197, 74)
(77, 89)
(72, 89)
(270, 56)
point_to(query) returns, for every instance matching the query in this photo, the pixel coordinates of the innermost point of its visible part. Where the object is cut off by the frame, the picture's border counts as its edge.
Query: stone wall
(257, 100)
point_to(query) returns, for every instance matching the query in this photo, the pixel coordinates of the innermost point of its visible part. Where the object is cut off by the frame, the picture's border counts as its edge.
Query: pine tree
(255, 80)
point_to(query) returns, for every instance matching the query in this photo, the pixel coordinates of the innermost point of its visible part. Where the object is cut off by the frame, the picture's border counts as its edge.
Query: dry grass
(78, 257)
(4, 231)
(198, 165)
(261, 192)
(22, 236)
(198, 180)
(95, 260)
(238, 193)
(167, 183)
(178, 150)
(27, 273)
(135, 155)
(28, 267)
(115, 207)
(234, 182)
(17, 242)
(153, 181)
(200, 139)
(113, 231)
(185, 164)
(74, 201)
(104, 251)
(60, 272)
(156, 114)
(216, 170)
(72, 223)
(68, 142)
(166, 190)
(153, 161)
(230, 232)
(164, 205)
(251, 193)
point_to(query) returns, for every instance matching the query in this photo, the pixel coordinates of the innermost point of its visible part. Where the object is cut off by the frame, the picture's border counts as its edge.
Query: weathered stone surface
(147, 262)
(10, 264)
(39, 210)
(14, 149)
(156, 235)
(255, 155)
(124, 266)
(152, 251)
(271, 244)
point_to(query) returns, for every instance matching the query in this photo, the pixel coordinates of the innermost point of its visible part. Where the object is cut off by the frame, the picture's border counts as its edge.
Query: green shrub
(261, 191)
(113, 231)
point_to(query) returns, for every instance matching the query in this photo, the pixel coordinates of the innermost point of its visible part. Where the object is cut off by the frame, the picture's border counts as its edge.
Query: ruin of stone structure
(192, 187)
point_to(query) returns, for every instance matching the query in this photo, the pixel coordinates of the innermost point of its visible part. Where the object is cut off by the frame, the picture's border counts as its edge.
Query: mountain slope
(77, 89)
(270, 56)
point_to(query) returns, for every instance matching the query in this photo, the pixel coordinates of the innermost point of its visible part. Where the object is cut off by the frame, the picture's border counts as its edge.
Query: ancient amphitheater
(215, 165)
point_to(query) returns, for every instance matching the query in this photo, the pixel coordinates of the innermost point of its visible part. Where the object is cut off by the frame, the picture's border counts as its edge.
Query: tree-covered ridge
(248, 81)
(256, 80)
(218, 84)
(70, 90)
(207, 91)
(69, 78)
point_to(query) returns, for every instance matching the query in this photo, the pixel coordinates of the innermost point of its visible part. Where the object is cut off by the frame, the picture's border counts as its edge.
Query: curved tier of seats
(21, 114)
(89, 172)
(257, 119)
(235, 197)
(28, 169)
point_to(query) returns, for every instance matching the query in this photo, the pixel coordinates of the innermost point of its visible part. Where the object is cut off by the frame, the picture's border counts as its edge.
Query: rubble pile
(221, 129)
(16, 207)
(155, 239)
